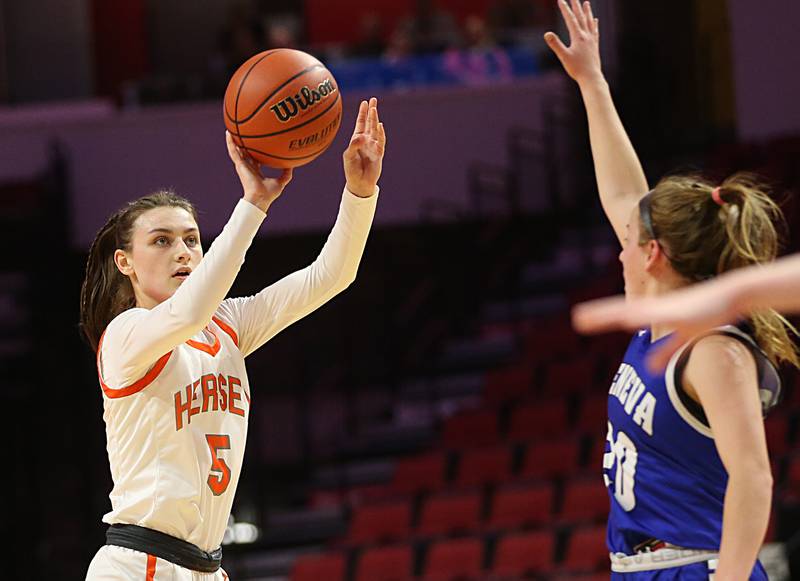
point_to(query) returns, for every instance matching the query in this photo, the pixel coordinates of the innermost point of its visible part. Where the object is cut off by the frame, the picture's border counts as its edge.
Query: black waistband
(164, 546)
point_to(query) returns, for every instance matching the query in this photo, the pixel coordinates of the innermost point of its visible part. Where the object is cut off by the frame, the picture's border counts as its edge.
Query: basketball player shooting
(171, 355)
(686, 462)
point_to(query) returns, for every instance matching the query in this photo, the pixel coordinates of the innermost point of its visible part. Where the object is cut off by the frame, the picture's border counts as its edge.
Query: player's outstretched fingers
(361, 118)
(569, 19)
(580, 15)
(588, 16)
(381, 137)
(373, 120)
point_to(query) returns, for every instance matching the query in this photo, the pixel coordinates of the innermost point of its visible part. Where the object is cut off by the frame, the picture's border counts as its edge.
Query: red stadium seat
(380, 523)
(521, 505)
(546, 419)
(550, 459)
(792, 399)
(484, 465)
(471, 429)
(769, 536)
(509, 383)
(602, 576)
(370, 493)
(393, 563)
(452, 560)
(777, 430)
(576, 375)
(330, 567)
(552, 338)
(326, 498)
(593, 416)
(793, 473)
(587, 551)
(524, 554)
(449, 513)
(415, 474)
(585, 500)
(609, 349)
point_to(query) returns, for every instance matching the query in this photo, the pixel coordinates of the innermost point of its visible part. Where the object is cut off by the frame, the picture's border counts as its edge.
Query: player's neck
(659, 331)
(659, 286)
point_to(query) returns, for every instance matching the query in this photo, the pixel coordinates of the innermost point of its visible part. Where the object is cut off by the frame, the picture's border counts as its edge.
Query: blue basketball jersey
(661, 466)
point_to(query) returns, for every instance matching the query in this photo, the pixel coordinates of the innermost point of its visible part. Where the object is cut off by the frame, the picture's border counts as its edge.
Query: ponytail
(708, 231)
(746, 212)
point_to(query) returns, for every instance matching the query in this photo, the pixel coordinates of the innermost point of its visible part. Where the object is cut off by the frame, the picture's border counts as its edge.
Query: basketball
(283, 107)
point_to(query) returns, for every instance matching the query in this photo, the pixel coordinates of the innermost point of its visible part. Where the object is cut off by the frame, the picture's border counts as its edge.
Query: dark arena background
(440, 419)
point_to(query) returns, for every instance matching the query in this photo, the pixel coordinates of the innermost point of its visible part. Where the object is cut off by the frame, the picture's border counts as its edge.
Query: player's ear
(654, 253)
(123, 262)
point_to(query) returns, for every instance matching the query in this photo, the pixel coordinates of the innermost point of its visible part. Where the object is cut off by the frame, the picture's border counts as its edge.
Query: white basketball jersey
(176, 438)
(176, 416)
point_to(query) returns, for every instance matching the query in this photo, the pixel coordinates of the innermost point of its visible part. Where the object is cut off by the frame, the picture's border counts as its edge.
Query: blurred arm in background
(700, 307)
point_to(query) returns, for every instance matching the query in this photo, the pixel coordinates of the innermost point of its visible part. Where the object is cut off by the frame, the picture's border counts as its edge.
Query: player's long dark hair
(106, 292)
(703, 239)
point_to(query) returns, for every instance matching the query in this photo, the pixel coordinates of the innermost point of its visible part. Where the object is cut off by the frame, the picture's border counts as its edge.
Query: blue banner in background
(455, 67)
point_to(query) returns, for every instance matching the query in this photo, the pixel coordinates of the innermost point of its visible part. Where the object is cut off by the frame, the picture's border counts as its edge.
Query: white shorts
(112, 563)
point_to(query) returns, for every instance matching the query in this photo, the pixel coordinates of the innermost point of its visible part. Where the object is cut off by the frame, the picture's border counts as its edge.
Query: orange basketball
(283, 107)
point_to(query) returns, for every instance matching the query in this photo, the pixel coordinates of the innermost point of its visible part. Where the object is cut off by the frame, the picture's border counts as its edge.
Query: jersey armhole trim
(135, 387)
(674, 398)
(227, 328)
(205, 347)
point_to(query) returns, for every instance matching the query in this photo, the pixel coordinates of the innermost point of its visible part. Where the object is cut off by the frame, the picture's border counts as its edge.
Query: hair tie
(715, 194)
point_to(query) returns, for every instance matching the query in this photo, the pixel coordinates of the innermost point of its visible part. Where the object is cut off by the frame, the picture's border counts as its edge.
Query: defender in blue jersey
(686, 460)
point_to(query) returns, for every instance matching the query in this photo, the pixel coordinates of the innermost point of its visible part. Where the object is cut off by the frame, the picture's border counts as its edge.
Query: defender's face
(165, 249)
(633, 258)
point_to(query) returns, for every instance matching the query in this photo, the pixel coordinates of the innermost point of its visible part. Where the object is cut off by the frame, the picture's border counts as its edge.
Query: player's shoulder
(124, 320)
(725, 354)
(721, 351)
(725, 344)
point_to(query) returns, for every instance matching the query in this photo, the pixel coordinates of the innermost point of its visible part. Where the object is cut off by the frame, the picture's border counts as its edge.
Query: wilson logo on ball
(290, 106)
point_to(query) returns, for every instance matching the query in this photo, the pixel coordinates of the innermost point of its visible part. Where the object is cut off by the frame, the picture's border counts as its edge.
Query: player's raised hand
(581, 59)
(258, 189)
(690, 312)
(363, 158)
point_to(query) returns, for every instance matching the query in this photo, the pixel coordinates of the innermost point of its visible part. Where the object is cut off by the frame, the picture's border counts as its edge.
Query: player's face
(165, 249)
(633, 258)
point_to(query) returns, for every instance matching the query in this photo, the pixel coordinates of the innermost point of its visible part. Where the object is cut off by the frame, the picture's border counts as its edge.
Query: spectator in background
(430, 28)
(514, 20)
(400, 69)
(240, 38)
(281, 33)
(481, 60)
(370, 41)
(399, 46)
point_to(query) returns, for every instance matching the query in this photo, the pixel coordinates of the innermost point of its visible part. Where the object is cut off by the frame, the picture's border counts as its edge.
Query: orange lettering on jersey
(223, 395)
(234, 395)
(214, 395)
(182, 407)
(193, 411)
(209, 382)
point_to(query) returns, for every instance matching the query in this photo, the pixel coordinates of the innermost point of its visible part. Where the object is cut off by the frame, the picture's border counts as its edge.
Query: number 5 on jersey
(220, 475)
